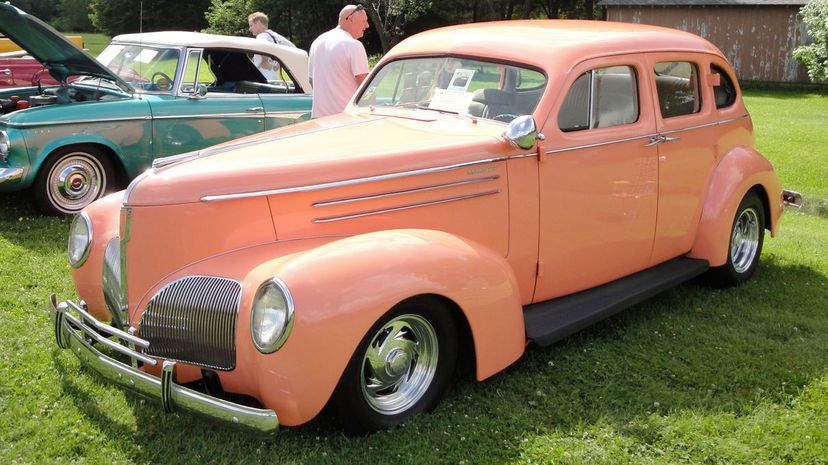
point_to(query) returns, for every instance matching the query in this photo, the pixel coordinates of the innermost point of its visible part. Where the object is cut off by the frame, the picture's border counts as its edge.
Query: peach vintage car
(490, 185)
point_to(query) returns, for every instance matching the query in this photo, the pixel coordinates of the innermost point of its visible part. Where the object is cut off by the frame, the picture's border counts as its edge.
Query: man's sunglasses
(359, 7)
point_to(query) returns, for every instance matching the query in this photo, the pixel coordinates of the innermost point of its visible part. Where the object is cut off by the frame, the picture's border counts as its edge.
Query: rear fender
(739, 171)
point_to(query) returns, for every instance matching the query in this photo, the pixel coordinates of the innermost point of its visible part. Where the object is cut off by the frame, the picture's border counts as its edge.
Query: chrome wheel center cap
(73, 182)
(397, 362)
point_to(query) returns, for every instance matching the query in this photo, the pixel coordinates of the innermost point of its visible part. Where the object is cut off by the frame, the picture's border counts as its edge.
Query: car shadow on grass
(691, 349)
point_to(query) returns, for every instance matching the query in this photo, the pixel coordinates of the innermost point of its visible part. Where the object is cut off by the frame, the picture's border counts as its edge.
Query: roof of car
(546, 42)
(295, 58)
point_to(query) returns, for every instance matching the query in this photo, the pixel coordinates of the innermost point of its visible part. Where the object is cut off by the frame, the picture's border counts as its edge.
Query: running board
(552, 320)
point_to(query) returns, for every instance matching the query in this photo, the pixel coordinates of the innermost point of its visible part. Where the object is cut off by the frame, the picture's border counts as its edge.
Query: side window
(677, 83)
(274, 72)
(197, 71)
(601, 98)
(725, 92)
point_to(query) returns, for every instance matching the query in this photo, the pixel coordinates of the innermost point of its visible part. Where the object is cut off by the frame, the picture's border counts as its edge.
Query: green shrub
(815, 55)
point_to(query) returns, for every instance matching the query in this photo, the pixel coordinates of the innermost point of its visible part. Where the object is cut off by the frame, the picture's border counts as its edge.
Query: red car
(18, 70)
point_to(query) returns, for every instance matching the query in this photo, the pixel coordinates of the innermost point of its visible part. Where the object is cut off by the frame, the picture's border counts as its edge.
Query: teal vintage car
(146, 96)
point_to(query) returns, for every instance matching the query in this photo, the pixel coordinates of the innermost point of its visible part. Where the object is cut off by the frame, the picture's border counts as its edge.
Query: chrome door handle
(7, 72)
(255, 109)
(655, 140)
(660, 139)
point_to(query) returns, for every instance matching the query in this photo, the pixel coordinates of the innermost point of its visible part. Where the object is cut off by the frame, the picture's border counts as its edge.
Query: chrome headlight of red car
(80, 240)
(272, 317)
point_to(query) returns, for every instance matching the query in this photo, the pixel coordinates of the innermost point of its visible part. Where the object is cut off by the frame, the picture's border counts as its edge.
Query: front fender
(105, 217)
(739, 171)
(341, 287)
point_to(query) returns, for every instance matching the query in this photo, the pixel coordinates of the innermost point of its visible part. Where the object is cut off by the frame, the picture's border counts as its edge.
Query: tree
(229, 17)
(389, 18)
(815, 55)
(73, 15)
(120, 16)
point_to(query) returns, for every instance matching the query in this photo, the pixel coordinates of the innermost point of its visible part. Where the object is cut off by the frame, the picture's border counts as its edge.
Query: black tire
(747, 234)
(72, 178)
(363, 403)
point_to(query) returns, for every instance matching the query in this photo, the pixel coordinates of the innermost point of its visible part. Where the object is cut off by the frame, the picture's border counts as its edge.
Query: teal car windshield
(149, 69)
(479, 88)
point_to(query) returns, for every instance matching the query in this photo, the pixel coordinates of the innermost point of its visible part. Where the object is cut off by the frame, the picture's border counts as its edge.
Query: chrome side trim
(172, 395)
(655, 138)
(215, 115)
(406, 192)
(404, 207)
(77, 121)
(351, 182)
(707, 125)
(601, 144)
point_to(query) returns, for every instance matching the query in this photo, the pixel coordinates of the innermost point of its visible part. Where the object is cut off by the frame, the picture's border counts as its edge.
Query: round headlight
(272, 316)
(4, 145)
(80, 240)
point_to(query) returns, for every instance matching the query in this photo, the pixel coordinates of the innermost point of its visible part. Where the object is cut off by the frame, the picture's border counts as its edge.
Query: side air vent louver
(193, 320)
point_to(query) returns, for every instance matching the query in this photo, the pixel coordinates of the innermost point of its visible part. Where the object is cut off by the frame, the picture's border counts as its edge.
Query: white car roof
(296, 59)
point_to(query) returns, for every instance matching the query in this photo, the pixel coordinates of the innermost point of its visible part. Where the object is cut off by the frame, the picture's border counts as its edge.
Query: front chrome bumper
(77, 330)
(11, 175)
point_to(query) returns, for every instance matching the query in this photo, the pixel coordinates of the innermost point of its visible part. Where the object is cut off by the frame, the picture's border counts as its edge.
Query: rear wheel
(71, 179)
(746, 238)
(401, 368)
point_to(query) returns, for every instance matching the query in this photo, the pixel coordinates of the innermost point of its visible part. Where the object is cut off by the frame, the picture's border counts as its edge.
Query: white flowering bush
(815, 55)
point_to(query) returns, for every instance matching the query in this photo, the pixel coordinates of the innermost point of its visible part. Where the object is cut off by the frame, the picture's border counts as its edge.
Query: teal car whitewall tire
(71, 179)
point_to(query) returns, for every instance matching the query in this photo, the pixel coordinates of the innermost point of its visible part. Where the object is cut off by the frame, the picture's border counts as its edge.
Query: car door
(686, 149)
(188, 121)
(285, 102)
(598, 178)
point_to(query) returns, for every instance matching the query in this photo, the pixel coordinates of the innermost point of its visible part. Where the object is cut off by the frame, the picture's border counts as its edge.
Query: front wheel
(401, 368)
(71, 179)
(746, 237)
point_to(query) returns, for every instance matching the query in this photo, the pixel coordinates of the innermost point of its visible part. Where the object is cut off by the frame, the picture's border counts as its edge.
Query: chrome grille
(193, 320)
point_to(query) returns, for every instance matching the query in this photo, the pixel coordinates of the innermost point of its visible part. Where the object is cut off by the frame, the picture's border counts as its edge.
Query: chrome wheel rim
(399, 364)
(75, 181)
(744, 242)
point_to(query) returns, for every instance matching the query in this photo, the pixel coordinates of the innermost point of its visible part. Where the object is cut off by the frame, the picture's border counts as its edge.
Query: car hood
(311, 155)
(57, 54)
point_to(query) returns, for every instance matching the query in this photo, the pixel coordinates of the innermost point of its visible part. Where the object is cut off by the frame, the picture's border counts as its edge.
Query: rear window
(725, 92)
(677, 83)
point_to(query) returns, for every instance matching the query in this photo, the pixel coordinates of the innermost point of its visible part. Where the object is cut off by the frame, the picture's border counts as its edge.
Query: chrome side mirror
(522, 132)
(199, 92)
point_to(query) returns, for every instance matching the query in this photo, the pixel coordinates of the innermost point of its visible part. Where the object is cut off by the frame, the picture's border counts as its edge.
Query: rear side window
(678, 88)
(725, 92)
(601, 98)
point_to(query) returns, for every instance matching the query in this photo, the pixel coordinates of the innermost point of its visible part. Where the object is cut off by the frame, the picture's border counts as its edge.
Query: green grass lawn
(693, 376)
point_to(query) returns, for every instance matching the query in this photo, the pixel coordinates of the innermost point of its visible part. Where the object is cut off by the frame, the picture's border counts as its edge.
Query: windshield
(458, 85)
(149, 69)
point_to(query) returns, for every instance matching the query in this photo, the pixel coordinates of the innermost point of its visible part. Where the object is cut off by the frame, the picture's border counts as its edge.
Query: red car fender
(739, 171)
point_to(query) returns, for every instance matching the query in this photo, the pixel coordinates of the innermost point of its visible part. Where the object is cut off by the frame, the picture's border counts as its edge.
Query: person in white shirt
(257, 23)
(338, 63)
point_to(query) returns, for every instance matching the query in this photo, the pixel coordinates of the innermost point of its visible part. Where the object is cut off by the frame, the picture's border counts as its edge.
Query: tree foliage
(73, 15)
(115, 17)
(815, 55)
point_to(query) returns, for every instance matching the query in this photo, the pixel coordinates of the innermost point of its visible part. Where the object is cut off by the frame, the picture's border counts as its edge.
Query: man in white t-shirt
(338, 63)
(257, 23)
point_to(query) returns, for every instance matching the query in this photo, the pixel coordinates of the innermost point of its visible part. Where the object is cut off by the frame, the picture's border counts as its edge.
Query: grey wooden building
(757, 36)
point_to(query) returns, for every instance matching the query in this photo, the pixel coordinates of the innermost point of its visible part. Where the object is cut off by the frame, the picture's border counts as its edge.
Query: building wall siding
(758, 41)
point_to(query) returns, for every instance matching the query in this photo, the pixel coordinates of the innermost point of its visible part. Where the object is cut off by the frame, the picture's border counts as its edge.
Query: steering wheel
(161, 81)
(505, 117)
